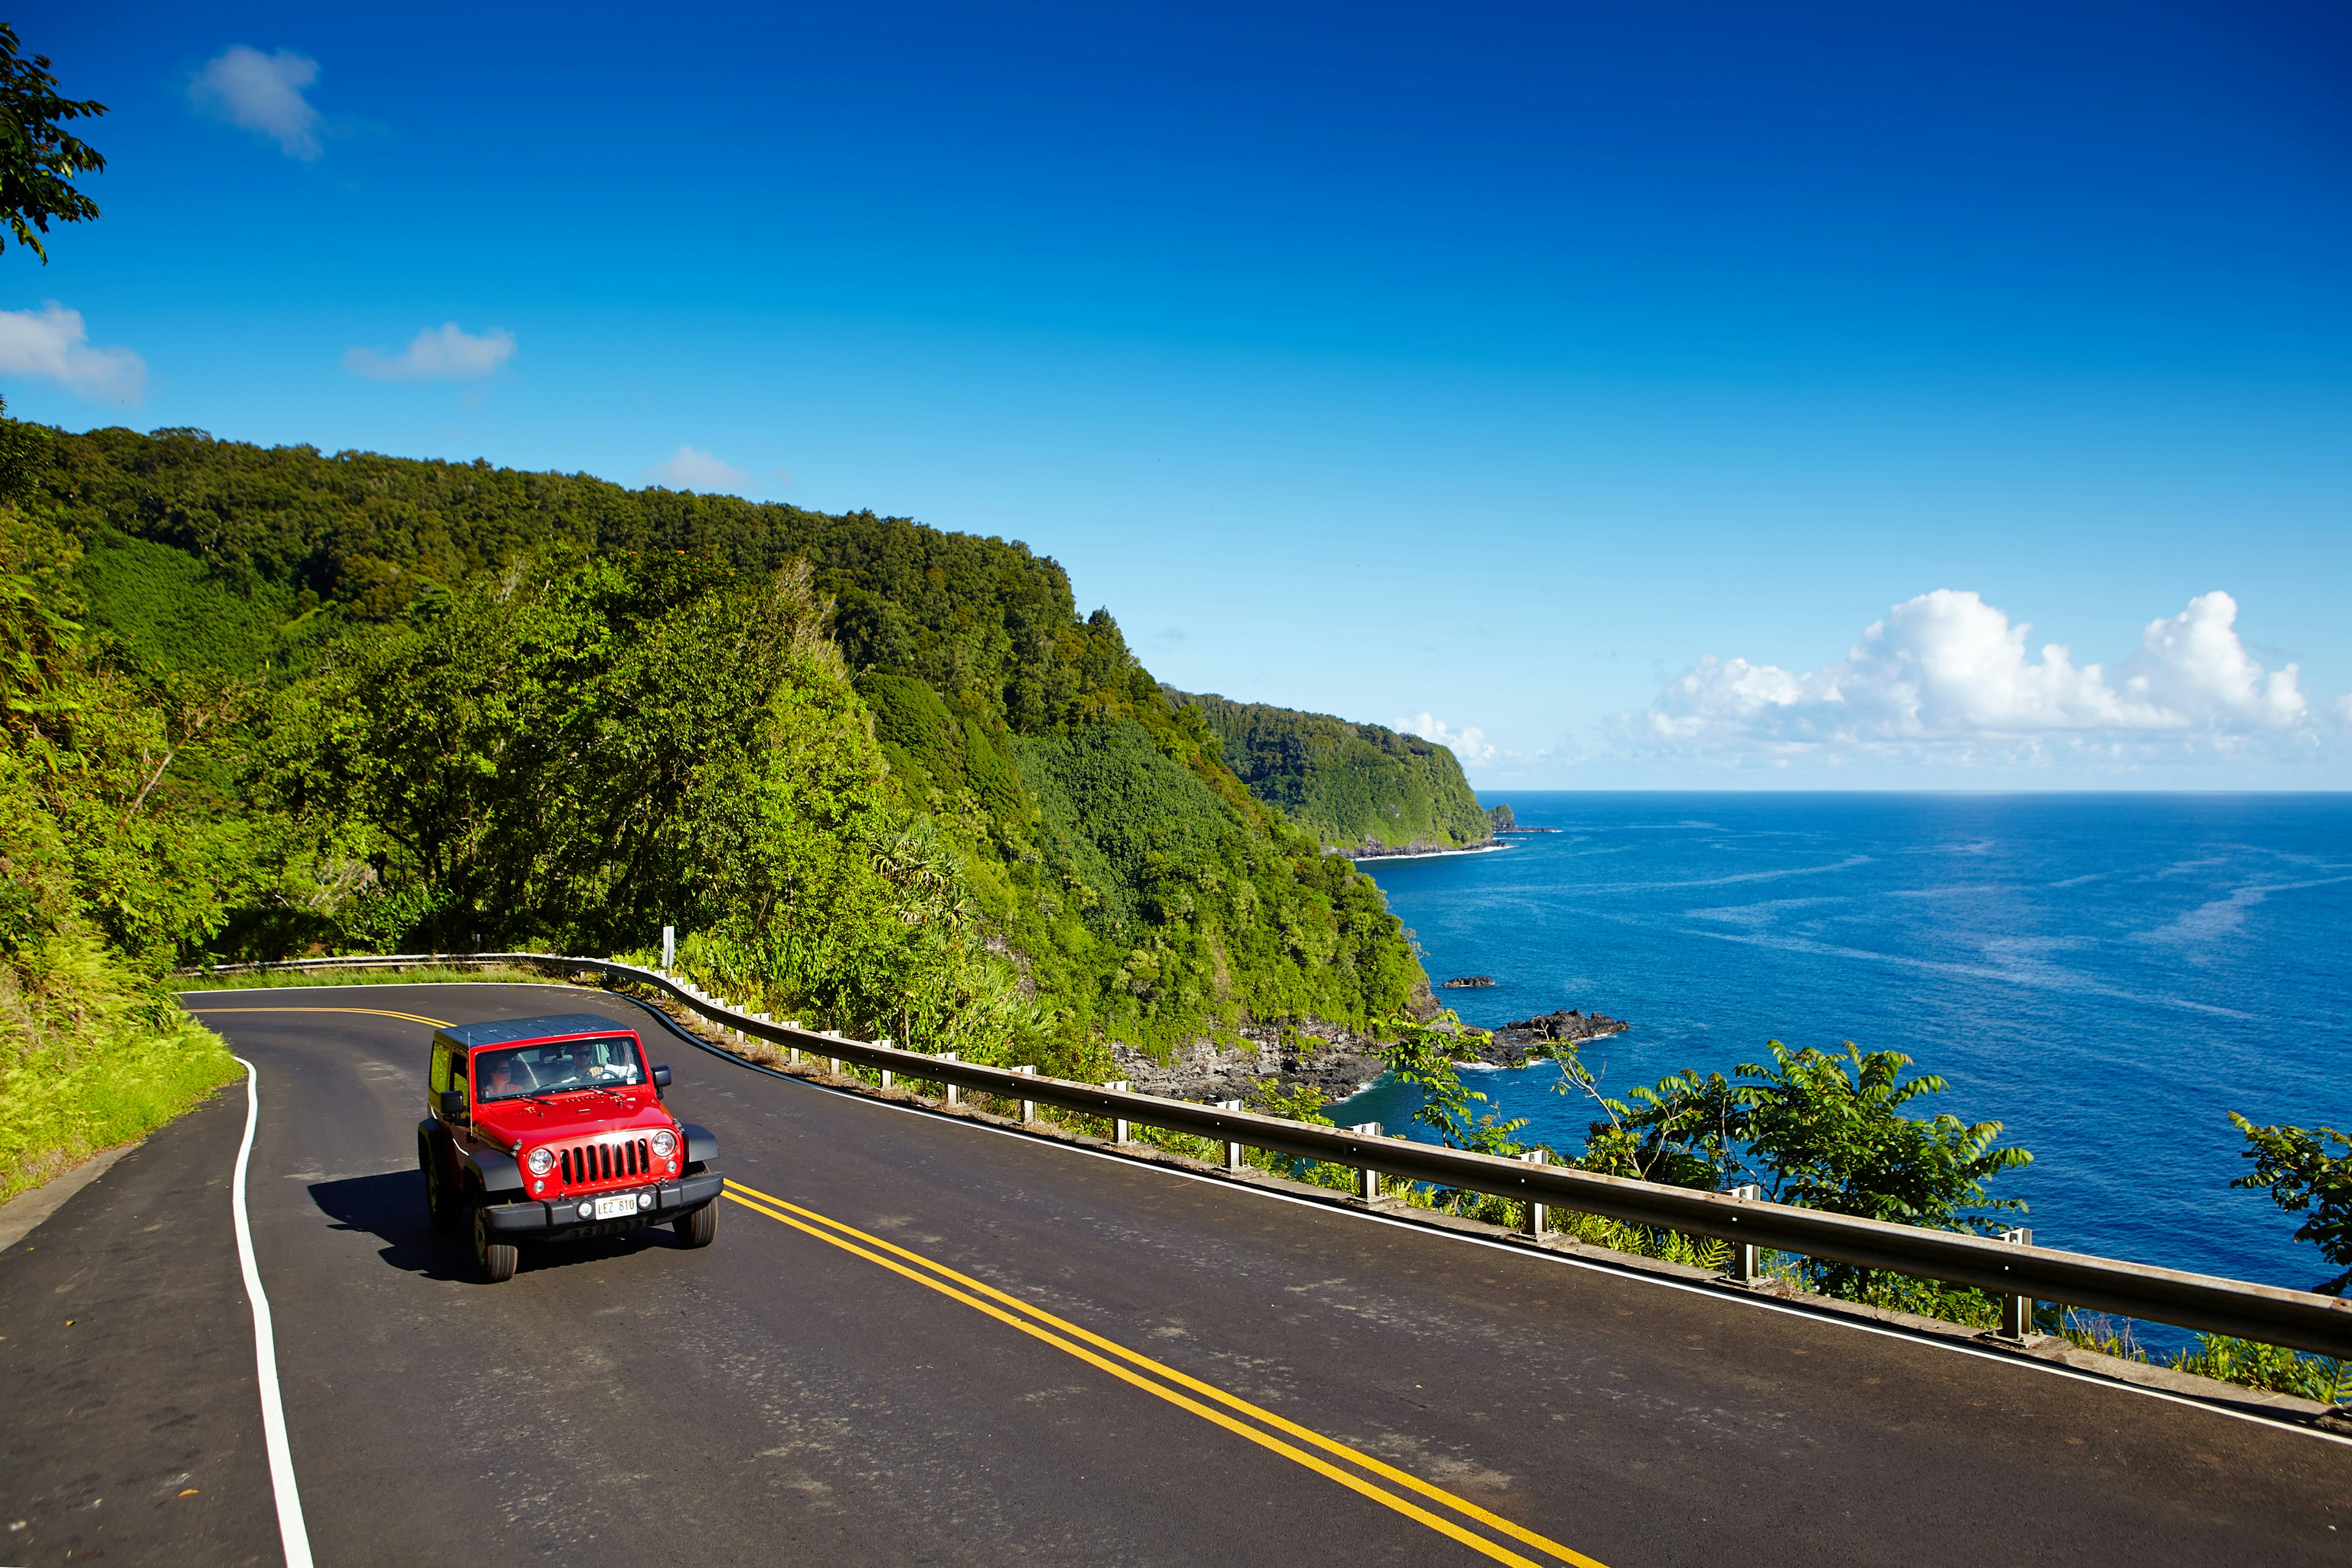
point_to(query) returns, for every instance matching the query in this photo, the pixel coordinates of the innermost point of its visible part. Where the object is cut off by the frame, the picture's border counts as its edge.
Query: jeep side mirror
(453, 1105)
(661, 1077)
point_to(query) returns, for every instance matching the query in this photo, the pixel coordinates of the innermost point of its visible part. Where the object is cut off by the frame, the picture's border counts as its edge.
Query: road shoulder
(126, 1350)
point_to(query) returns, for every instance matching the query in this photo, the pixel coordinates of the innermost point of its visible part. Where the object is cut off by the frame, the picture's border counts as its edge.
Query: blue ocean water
(2108, 975)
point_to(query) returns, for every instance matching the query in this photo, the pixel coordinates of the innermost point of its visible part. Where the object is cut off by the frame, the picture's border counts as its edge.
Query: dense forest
(1354, 786)
(886, 776)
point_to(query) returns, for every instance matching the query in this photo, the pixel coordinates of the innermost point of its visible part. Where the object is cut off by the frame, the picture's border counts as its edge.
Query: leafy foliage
(112, 855)
(1829, 1134)
(2300, 1175)
(40, 160)
(425, 636)
(1351, 785)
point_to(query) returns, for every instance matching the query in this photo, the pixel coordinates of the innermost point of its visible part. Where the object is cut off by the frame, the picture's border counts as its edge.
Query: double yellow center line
(1382, 1482)
(1374, 1479)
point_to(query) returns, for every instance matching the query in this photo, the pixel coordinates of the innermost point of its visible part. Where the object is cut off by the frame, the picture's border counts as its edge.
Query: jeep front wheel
(696, 1228)
(494, 1261)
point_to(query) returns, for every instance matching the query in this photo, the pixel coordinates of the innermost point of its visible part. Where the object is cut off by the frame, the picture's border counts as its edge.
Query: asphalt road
(916, 1340)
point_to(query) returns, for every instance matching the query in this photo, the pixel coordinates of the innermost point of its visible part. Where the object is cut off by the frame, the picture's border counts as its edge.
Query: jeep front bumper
(561, 1217)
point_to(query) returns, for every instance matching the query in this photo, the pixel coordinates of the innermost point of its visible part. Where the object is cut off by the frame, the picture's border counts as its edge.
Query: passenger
(509, 1075)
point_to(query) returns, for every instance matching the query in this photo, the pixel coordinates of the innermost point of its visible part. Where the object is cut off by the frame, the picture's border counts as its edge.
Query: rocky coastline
(1329, 1058)
(1334, 1060)
(1406, 851)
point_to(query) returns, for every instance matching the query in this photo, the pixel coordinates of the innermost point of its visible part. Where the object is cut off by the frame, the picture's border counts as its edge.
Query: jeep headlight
(542, 1161)
(665, 1143)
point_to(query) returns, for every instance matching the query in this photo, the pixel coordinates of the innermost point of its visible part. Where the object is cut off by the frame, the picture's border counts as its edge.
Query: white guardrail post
(1747, 1257)
(1233, 1149)
(1538, 1213)
(954, 1090)
(1368, 1180)
(1121, 1129)
(1028, 1107)
(888, 1078)
(2008, 1266)
(2017, 1312)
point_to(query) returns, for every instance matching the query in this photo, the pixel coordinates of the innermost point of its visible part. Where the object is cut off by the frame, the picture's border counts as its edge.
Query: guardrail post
(1746, 1259)
(2016, 1312)
(955, 1093)
(888, 1078)
(1368, 1180)
(1121, 1130)
(1538, 1214)
(833, 1064)
(669, 946)
(1028, 1107)
(1233, 1149)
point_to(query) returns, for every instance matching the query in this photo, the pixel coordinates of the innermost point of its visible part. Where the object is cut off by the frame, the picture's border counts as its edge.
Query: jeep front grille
(614, 1159)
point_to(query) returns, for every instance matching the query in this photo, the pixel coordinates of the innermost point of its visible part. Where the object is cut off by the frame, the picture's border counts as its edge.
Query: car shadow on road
(391, 1207)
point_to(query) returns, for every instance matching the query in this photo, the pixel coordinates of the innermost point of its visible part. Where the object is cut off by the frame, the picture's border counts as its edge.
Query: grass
(2248, 1363)
(94, 1057)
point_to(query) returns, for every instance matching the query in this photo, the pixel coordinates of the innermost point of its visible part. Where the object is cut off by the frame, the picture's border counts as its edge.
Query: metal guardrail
(2299, 1318)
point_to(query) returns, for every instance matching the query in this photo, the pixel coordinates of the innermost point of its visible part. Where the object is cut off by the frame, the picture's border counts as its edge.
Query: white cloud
(264, 93)
(692, 469)
(1471, 745)
(446, 352)
(52, 345)
(1948, 669)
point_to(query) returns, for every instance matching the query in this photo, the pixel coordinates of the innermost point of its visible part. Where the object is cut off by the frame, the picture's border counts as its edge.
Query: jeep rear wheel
(696, 1228)
(439, 1203)
(494, 1261)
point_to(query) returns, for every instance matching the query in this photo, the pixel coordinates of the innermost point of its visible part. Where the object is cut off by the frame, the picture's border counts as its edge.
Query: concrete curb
(23, 1213)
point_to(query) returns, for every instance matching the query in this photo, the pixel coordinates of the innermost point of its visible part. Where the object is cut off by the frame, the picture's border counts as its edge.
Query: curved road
(922, 1341)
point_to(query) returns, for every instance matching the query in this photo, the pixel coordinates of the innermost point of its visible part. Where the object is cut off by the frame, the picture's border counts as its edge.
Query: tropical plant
(2296, 1168)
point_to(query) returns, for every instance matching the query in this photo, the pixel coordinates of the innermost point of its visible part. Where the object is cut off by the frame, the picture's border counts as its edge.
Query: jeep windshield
(554, 1067)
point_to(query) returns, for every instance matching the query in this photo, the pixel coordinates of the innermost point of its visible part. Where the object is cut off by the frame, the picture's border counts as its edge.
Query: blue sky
(1583, 382)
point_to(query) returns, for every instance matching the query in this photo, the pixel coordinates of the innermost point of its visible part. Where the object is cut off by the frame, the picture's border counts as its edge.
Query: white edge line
(1926, 1341)
(291, 1531)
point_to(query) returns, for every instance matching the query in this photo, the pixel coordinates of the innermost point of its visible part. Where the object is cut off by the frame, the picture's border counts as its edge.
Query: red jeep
(553, 1129)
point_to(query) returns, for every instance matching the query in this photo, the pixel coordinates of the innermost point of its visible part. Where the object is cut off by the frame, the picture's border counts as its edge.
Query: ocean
(2106, 975)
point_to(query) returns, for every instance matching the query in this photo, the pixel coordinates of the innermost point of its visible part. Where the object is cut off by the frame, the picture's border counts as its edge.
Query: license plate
(621, 1208)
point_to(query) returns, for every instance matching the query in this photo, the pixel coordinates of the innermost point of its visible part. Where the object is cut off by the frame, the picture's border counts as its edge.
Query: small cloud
(1174, 634)
(782, 478)
(1470, 745)
(690, 469)
(52, 345)
(446, 352)
(262, 93)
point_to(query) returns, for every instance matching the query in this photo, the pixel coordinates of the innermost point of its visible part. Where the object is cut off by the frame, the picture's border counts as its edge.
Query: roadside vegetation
(108, 870)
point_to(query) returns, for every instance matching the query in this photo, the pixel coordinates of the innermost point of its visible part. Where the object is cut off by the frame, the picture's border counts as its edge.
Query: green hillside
(887, 775)
(1352, 785)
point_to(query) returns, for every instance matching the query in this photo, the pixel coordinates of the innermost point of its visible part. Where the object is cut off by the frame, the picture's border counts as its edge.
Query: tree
(2299, 1172)
(1829, 1131)
(39, 159)
(1422, 1056)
